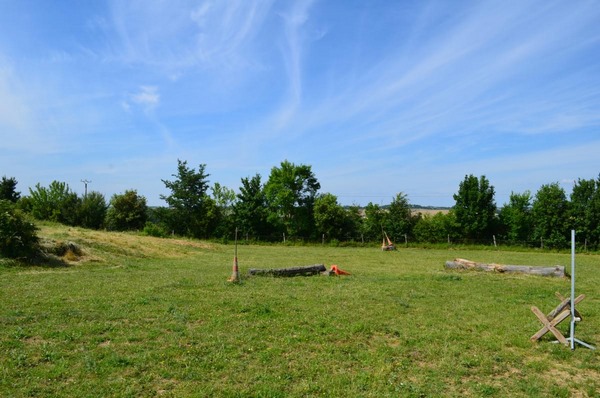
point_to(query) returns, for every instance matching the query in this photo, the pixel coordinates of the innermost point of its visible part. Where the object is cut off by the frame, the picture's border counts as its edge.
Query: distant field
(145, 317)
(430, 212)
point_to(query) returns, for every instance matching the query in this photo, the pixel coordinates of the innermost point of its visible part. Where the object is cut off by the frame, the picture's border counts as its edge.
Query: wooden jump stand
(564, 310)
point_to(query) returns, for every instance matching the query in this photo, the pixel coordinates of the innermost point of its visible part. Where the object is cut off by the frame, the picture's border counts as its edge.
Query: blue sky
(379, 97)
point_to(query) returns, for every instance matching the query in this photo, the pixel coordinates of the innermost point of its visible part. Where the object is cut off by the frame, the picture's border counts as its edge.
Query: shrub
(18, 236)
(127, 212)
(156, 230)
(92, 211)
(55, 203)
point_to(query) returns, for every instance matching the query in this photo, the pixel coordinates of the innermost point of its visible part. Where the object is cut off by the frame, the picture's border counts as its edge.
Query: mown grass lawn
(144, 317)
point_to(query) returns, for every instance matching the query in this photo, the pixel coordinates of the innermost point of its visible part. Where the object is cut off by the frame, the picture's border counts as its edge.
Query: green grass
(144, 317)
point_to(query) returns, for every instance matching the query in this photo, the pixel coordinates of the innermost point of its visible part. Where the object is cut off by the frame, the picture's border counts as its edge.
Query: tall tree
(373, 221)
(551, 216)
(475, 209)
(250, 209)
(8, 189)
(399, 221)
(193, 212)
(516, 218)
(593, 217)
(331, 218)
(224, 199)
(585, 210)
(291, 191)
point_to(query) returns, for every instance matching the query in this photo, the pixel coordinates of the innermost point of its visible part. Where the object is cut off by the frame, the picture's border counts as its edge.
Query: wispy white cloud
(292, 52)
(180, 35)
(378, 97)
(147, 97)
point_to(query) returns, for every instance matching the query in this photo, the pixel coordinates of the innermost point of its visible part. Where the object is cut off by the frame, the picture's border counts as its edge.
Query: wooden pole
(459, 263)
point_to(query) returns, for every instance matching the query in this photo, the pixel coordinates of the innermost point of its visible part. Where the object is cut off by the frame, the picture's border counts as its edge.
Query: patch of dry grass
(102, 246)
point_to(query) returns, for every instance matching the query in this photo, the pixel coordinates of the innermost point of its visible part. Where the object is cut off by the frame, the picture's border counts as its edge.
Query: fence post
(495, 245)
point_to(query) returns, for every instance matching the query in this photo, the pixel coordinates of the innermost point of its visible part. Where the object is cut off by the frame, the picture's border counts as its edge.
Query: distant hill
(417, 209)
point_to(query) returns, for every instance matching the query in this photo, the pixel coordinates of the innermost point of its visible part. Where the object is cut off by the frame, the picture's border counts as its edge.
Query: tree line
(290, 206)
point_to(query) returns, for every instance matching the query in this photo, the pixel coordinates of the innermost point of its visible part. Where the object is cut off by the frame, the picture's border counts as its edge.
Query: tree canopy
(475, 209)
(290, 203)
(193, 211)
(290, 192)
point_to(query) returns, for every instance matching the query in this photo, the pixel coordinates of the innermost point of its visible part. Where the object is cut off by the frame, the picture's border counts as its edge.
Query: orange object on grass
(338, 271)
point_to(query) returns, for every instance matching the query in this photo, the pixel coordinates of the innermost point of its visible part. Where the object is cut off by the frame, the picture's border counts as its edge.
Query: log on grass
(292, 271)
(460, 263)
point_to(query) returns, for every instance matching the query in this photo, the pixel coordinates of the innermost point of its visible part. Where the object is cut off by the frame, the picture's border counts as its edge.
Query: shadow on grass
(41, 259)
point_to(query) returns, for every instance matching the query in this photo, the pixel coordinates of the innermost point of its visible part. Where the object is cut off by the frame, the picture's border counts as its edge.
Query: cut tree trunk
(292, 271)
(460, 263)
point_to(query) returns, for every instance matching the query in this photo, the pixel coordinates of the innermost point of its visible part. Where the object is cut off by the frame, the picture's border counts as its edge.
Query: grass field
(144, 317)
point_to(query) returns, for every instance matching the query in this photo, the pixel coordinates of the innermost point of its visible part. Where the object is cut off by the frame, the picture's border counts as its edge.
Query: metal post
(85, 183)
(572, 335)
(572, 340)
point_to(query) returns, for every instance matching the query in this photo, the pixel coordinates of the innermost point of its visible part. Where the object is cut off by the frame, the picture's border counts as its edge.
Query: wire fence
(408, 241)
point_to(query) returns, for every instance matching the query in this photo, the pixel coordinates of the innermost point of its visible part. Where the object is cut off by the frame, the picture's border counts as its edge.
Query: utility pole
(85, 183)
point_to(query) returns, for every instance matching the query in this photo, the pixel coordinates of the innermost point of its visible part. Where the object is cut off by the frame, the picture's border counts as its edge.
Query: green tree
(354, 220)
(18, 236)
(516, 218)
(585, 211)
(593, 218)
(373, 221)
(92, 210)
(127, 212)
(437, 228)
(331, 218)
(250, 209)
(224, 199)
(193, 212)
(399, 220)
(291, 191)
(551, 216)
(475, 209)
(55, 203)
(8, 189)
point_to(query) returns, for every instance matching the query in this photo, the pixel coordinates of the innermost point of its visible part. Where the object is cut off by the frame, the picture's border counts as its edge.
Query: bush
(92, 210)
(127, 212)
(18, 236)
(55, 203)
(156, 230)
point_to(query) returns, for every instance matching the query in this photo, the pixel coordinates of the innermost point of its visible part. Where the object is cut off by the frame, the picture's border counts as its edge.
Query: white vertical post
(572, 340)
(572, 337)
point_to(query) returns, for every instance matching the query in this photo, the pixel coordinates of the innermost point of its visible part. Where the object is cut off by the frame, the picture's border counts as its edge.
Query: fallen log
(292, 271)
(460, 263)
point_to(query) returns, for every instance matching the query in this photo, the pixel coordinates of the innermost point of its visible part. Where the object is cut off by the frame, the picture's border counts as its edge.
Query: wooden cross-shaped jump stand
(556, 316)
